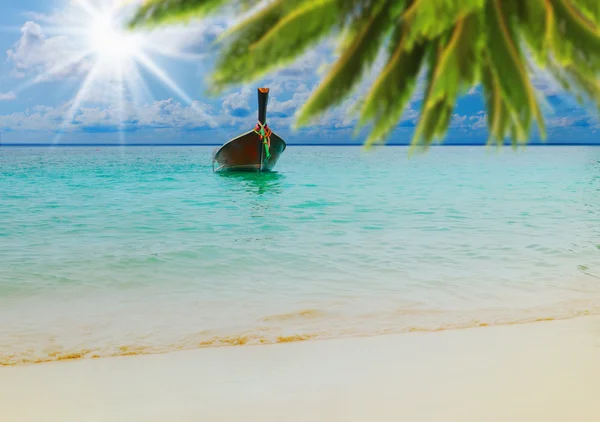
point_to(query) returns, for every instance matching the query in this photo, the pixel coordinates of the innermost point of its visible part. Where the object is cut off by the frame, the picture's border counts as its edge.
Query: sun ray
(51, 72)
(138, 87)
(85, 86)
(162, 75)
(61, 66)
(107, 59)
(174, 54)
(87, 7)
(121, 111)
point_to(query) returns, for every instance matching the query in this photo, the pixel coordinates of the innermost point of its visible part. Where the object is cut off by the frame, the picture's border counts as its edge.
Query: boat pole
(263, 100)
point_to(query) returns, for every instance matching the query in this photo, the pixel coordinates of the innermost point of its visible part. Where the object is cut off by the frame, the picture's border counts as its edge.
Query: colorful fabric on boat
(265, 135)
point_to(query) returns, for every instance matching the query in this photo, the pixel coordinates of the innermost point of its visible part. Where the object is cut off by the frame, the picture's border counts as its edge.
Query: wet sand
(545, 371)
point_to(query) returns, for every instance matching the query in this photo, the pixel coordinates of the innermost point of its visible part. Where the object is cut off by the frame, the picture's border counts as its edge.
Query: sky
(69, 76)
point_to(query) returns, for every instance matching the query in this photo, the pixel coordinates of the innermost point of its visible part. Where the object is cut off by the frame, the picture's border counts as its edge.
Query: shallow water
(111, 251)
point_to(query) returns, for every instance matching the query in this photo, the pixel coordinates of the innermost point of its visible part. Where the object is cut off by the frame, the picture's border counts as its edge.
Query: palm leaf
(392, 91)
(459, 42)
(154, 12)
(574, 37)
(454, 70)
(362, 17)
(431, 18)
(278, 38)
(507, 62)
(235, 57)
(499, 120)
(350, 67)
(536, 21)
(590, 9)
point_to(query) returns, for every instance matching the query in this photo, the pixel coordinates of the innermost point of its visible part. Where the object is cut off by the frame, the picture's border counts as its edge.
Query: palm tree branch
(563, 35)
(448, 74)
(392, 90)
(238, 62)
(577, 39)
(508, 63)
(442, 62)
(288, 25)
(431, 18)
(349, 68)
(155, 12)
(578, 17)
(254, 19)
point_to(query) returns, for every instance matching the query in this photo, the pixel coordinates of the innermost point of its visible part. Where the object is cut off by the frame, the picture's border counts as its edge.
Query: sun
(108, 58)
(107, 40)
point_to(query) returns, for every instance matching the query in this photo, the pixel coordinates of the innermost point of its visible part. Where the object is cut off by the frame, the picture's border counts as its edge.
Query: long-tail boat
(257, 150)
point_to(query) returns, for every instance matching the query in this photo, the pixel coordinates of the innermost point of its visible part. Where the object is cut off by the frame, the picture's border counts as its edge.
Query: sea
(112, 251)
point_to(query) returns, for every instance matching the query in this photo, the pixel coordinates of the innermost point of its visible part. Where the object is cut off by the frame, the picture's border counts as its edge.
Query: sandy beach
(545, 371)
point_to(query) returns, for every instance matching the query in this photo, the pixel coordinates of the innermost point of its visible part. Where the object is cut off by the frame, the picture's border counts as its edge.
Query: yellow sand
(546, 372)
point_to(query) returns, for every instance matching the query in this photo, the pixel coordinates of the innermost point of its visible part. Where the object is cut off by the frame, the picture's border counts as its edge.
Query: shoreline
(546, 371)
(256, 339)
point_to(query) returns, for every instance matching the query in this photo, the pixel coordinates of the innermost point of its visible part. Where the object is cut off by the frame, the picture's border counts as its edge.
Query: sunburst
(110, 55)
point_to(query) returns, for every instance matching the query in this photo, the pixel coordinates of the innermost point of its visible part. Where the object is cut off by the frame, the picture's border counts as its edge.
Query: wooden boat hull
(247, 153)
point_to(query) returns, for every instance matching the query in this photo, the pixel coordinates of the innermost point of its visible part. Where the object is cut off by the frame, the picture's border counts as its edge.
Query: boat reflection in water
(257, 150)
(254, 182)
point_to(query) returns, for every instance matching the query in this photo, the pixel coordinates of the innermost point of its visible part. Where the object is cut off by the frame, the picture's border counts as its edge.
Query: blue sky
(50, 48)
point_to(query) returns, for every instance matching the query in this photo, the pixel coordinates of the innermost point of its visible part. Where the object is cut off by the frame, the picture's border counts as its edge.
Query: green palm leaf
(575, 38)
(431, 18)
(276, 36)
(455, 70)
(499, 123)
(460, 43)
(154, 12)
(393, 89)
(350, 67)
(507, 63)
(590, 9)
(536, 20)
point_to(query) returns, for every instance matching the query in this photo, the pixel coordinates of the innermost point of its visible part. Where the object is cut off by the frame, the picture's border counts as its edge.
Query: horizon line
(49, 145)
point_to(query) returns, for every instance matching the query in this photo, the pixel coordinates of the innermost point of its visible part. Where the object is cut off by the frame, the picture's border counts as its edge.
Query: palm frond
(455, 71)
(155, 12)
(536, 20)
(498, 119)
(575, 38)
(279, 35)
(392, 91)
(460, 43)
(588, 8)
(350, 67)
(507, 62)
(429, 19)
(235, 57)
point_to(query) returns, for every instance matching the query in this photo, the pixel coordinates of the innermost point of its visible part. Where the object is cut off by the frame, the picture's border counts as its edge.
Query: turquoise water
(111, 251)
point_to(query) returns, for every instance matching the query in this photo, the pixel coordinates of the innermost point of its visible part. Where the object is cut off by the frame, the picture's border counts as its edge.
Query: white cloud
(238, 102)
(9, 96)
(36, 54)
(566, 121)
(289, 107)
(479, 121)
(159, 114)
(459, 121)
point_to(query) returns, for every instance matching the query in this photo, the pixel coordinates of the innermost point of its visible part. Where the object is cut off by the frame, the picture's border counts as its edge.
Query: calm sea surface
(115, 251)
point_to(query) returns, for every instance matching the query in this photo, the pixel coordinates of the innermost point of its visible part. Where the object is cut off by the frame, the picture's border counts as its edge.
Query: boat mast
(263, 100)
